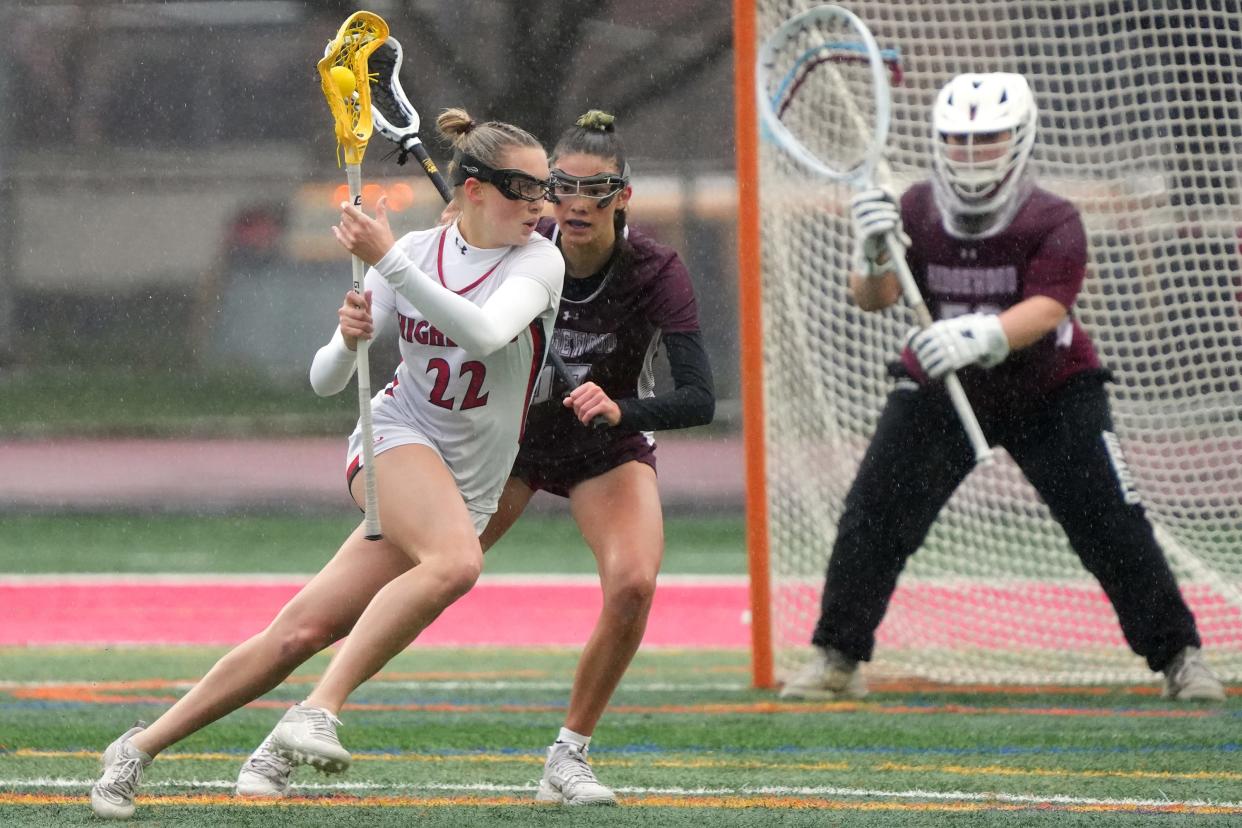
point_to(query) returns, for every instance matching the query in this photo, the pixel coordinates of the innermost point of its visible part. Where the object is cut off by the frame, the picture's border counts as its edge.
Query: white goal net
(1141, 126)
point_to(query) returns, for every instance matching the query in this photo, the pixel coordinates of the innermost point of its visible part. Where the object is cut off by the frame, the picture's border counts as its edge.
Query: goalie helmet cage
(1140, 125)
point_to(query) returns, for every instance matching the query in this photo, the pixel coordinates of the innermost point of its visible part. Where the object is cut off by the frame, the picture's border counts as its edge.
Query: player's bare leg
(322, 612)
(620, 517)
(423, 515)
(513, 500)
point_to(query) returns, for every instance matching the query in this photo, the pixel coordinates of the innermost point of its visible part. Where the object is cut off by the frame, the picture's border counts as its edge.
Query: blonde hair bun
(454, 123)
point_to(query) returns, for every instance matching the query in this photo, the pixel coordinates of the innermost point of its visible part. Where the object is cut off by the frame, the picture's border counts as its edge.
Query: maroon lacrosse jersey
(609, 337)
(1043, 252)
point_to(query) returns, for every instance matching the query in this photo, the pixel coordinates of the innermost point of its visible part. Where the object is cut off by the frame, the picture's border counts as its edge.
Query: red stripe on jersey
(540, 343)
(440, 268)
(388, 389)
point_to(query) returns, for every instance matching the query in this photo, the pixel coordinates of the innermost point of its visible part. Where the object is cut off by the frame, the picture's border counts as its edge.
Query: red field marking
(1021, 615)
(495, 613)
(533, 612)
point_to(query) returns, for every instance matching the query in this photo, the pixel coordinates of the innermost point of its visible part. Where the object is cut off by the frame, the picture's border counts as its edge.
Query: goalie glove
(875, 214)
(950, 344)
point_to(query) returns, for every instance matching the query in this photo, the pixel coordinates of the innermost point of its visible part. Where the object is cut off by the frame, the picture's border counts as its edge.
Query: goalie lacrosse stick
(343, 75)
(397, 120)
(823, 87)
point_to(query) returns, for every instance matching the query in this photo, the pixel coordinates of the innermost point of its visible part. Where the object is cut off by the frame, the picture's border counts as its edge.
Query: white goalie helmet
(973, 176)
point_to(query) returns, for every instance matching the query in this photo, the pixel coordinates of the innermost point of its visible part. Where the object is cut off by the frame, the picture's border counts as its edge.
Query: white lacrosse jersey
(470, 408)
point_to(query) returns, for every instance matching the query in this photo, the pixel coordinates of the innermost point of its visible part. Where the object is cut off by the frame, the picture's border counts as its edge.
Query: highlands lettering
(423, 332)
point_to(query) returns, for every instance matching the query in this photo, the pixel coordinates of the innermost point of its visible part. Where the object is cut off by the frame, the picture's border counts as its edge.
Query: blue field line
(1006, 750)
(1040, 703)
(601, 750)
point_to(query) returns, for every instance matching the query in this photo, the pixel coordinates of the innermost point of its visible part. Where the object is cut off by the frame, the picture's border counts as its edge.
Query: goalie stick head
(983, 130)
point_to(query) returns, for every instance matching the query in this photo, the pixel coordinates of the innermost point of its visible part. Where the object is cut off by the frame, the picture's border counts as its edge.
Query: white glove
(950, 344)
(875, 214)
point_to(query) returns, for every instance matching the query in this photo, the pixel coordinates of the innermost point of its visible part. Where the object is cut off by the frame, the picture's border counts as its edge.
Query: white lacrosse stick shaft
(882, 176)
(353, 173)
(957, 394)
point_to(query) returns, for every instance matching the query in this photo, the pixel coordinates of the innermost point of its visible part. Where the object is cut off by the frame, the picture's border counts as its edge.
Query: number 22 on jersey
(475, 396)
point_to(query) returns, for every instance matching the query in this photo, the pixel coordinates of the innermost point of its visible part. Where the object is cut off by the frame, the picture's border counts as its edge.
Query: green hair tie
(596, 119)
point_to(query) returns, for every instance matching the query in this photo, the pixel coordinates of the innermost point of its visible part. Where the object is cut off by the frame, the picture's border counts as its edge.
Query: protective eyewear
(601, 188)
(514, 185)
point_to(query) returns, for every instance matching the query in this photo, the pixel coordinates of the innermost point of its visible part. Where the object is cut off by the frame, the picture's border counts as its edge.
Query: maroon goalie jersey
(1043, 252)
(609, 336)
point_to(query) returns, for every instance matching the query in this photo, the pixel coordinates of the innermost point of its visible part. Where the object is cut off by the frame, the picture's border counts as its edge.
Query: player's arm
(1031, 320)
(873, 282)
(875, 293)
(671, 307)
(1051, 285)
(360, 317)
(1053, 279)
(692, 402)
(534, 285)
(531, 288)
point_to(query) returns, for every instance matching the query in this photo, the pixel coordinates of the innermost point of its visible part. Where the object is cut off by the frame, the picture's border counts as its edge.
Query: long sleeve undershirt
(479, 330)
(692, 401)
(333, 365)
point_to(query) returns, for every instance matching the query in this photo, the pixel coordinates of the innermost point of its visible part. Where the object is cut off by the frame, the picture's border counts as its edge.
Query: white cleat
(112, 797)
(569, 780)
(1188, 678)
(828, 675)
(266, 772)
(307, 736)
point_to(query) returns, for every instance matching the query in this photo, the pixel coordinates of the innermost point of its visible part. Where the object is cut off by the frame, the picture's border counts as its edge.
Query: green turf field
(92, 398)
(301, 544)
(453, 738)
(106, 402)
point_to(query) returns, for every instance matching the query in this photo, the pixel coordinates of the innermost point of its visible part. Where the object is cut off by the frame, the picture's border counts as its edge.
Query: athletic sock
(567, 735)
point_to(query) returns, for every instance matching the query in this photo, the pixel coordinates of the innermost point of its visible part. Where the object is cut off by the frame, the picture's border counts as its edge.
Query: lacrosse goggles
(601, 188)
(514, 185)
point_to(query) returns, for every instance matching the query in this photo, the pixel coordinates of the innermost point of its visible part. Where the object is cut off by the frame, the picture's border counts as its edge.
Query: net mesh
(1141, 126)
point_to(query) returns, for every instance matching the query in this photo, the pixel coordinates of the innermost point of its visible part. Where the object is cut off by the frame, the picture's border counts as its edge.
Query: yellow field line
(1005, 770)
(736, 802)
(606, 761)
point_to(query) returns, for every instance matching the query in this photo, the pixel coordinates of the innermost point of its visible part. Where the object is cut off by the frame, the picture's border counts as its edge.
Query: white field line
(276, 578)
(860, 793)
(647, 687)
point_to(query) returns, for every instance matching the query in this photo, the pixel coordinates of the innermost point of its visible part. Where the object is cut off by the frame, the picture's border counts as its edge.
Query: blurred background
(168, 177)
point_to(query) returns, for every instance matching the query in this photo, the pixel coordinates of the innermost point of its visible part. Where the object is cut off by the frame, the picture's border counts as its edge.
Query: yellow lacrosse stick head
(359, 36)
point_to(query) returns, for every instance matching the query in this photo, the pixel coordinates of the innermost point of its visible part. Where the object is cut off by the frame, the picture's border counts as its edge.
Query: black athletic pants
(920, 455)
